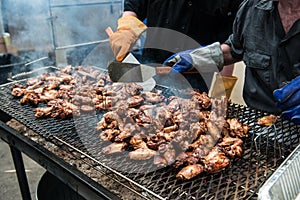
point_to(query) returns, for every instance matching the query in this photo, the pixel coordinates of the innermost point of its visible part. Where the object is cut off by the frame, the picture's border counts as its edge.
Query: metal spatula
(131, 72)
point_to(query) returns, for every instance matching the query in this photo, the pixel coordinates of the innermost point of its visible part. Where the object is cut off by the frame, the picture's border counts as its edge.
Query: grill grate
(264, 150)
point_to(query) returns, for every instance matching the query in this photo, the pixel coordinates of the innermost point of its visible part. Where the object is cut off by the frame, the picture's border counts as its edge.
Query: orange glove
(129, 30)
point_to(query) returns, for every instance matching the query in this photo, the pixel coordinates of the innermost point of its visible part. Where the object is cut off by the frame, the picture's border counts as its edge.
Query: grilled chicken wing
(142, 154)
(267, 120)
(190, 171)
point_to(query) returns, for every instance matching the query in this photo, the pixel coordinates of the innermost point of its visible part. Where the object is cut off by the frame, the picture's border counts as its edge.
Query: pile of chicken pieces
(190, 133)
(66, 93)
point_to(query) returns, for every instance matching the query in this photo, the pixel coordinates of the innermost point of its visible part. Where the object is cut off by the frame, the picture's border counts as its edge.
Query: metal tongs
(269, 132)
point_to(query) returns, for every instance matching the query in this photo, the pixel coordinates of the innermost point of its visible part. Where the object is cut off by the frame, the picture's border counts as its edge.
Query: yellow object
(129, 30)
(223, 85)
(6, 38)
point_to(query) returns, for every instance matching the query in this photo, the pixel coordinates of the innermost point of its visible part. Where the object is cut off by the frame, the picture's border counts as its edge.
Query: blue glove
(288, 100)
(292, 114)
(181, 61)
(204, 59)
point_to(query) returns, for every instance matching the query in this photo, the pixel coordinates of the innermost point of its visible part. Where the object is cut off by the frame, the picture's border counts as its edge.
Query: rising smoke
(41, 26)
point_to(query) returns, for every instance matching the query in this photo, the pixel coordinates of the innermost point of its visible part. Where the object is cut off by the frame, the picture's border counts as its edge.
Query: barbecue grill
(264, 151)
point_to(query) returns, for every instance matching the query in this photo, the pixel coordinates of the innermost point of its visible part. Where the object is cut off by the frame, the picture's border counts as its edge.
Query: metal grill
(264, 150)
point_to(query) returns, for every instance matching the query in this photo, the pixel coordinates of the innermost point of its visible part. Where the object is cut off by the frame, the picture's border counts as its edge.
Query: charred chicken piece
(30, 98)
(18, 91)
(152, 97)
(203, 100)
(142, 154)
(159, 161)
(237, 129)
(198, 129)
(67, 70)
(137, 142)
(170, 131)
(231, 146)
(182, 139)
(124, 135)
(217, 119)
(48, 95)
(149, 118)
(204, 140)
(190, 171)
(168, 153)
(32, 81)
(62, 108)
(114, 148)
(135, 101)
(267, 120)
(110, 120)
(180, 160)
(213, 130)
(154, 141)
(43, 112)
(215, 161)
(109, 134)
(196, 155)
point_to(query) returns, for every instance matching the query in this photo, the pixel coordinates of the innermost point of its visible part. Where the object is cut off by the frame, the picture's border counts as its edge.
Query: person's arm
(228, 58)
(129, 13)
(209, 58)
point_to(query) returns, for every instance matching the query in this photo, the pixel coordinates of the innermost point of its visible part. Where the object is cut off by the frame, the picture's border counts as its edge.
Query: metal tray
(285, 182)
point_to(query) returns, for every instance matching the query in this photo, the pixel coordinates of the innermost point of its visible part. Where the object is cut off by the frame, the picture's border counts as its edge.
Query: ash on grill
(193, 134)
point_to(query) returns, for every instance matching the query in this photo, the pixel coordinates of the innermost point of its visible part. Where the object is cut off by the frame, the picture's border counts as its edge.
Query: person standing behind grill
(202, 21)
(266, 36)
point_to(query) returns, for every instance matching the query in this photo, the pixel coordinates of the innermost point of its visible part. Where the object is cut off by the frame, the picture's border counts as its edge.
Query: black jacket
(271, 56)
(203, 21)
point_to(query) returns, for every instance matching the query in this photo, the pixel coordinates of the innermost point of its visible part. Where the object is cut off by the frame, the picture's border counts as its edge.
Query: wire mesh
(264, 150)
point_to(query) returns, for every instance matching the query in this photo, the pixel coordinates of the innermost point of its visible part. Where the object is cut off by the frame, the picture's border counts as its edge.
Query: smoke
(35, 26)
(27, 24)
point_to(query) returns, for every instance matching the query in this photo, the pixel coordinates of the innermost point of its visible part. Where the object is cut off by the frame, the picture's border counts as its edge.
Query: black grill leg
(21, 174)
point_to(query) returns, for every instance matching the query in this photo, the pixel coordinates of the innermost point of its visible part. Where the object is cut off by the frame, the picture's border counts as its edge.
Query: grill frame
(264, 151)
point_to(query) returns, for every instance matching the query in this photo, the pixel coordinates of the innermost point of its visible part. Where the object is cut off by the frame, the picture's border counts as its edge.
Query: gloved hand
(288, 100)
(128, 31)
(181, 61)
(204, 59)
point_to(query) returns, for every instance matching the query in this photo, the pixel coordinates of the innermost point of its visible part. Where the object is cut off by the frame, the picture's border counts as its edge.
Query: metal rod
(37, 60)
(21, 174)
(32, 71)
(52, 24)
(83, 4)
(82, 44)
